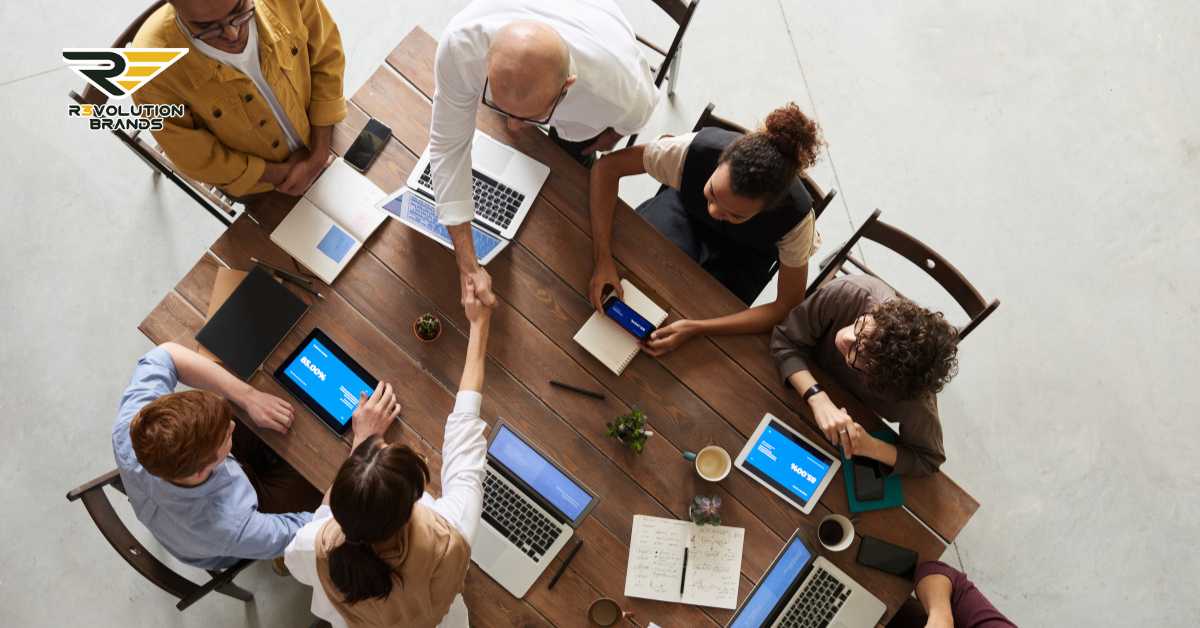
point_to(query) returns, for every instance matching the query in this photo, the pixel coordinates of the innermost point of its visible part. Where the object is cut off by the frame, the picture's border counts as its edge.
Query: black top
(763, 231)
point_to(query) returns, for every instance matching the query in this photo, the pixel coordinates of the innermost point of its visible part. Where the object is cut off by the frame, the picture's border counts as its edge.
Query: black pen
(594, 395)
(563, 567)
(683, 575)
(300, 282)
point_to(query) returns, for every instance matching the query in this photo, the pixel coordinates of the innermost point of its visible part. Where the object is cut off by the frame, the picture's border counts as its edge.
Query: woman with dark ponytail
(382, 551)
(733, 202)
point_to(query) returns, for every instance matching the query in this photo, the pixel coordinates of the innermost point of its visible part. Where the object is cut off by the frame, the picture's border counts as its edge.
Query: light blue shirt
(209, 526)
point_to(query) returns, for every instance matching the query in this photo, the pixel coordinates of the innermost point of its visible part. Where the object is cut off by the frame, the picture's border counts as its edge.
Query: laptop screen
(781, 575)
(540, 474)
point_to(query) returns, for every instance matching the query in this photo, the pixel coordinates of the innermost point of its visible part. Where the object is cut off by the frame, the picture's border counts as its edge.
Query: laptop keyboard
(514, 517)
(817, 603)
(494, 202)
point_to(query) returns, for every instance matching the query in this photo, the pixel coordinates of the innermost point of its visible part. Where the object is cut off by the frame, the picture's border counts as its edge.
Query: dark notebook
(250, 324)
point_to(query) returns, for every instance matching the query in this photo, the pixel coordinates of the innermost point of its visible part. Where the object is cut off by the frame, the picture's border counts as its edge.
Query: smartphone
(881, 555)
(368, 145)
(631, 321)
(868, 480)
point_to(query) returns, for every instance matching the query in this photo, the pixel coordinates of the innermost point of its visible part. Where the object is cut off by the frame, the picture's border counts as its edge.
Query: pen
(594, 395)
(683, 574)
(563, 567)
(301, 282)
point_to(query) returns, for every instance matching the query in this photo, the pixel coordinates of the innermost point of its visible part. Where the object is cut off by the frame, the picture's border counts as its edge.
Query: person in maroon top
(948, 599)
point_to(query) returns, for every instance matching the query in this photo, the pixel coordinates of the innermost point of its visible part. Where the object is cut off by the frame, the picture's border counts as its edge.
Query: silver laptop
(505, 183)
(800, 591)
(530, 508)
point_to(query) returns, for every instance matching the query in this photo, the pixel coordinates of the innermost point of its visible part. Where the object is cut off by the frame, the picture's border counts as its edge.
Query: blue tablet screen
(787, 462)
(321, 375)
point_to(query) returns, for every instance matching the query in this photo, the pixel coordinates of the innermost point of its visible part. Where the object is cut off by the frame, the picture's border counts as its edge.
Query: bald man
(573, 66)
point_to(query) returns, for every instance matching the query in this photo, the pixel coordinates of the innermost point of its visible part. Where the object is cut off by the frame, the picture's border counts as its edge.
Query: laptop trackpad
(490, 156)
(488, 547)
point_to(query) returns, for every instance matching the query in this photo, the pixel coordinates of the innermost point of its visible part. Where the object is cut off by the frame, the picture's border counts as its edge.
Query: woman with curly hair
(733, 202)
(889, 352)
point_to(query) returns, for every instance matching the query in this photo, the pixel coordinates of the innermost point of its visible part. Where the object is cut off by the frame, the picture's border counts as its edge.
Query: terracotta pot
(424, 339)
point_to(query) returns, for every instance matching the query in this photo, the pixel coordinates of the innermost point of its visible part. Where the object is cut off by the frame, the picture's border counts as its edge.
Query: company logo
(120, 72)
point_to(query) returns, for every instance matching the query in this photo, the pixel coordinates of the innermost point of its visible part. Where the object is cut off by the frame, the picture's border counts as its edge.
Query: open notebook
(679, 561)
(608, 341)
(330, 223)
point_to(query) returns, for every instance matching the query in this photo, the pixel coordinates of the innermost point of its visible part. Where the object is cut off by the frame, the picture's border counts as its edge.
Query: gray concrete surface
(1050, 150)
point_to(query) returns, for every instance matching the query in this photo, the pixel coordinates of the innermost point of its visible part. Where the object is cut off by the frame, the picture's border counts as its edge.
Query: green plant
(630, 429)
(427, 326)
(705, 510)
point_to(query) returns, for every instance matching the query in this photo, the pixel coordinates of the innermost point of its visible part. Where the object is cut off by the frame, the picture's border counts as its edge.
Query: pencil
(576, 389)
(303, 283)
(563, 567)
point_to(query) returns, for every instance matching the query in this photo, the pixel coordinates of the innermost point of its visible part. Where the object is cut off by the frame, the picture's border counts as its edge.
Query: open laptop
(530, 508)
(505, 183)
(800, 591)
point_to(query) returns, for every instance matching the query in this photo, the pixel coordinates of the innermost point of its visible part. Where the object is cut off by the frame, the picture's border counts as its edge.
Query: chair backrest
(681, 12)
(93, 96)
(820, 199)
(917, 252)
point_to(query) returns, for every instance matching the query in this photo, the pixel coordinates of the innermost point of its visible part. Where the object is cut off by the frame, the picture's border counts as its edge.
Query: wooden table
(708, 391)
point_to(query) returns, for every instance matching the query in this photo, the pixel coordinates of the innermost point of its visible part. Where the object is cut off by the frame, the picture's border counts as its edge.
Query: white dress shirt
(464, 453)
(247, 63)
(614, 86)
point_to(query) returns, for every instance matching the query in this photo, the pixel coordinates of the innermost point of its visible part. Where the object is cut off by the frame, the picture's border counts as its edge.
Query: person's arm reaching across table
(265, 410)
(952, 601)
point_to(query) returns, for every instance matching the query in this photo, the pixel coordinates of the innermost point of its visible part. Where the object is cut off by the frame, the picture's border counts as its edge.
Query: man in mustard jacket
(262, 85)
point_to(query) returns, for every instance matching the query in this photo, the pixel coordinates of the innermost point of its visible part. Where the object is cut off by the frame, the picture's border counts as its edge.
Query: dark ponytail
(372, 499)
(763, 164)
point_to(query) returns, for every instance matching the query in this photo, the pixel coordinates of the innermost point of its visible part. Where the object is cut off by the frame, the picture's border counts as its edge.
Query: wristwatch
(812, 390)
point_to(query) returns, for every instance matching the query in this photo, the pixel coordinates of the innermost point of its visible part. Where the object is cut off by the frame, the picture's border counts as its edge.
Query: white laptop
(800, 591)
(530, 508)
(505, 182)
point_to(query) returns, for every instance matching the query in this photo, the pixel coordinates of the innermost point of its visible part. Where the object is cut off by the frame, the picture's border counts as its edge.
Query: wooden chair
(110, 525)
(210, 197)
(681, 12)
(917, 252)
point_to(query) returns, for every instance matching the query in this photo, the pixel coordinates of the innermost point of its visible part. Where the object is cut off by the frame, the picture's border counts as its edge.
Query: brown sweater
(429, 560)
(806, 338)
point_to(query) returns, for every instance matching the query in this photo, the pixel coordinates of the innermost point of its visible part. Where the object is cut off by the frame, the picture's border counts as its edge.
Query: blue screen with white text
(788, 462)
(329, 382)
(543, 477)
(774, 585)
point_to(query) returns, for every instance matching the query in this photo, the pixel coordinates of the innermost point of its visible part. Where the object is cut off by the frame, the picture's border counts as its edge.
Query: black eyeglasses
(856, 349)
(236, 21)
(483, 98)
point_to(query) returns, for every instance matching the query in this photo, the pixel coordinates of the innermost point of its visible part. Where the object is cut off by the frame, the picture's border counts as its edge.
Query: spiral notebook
(608, 341)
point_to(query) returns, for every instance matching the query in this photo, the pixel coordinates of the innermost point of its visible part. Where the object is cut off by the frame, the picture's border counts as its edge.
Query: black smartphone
(368, 145)
(881, 555)
(628, 319)
(868, 480)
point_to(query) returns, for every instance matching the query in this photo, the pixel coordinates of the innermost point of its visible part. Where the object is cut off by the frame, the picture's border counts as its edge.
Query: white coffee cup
(845, 529)
(712, 463)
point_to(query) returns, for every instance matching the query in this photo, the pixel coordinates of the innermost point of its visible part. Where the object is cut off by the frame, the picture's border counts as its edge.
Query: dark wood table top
(708, 391)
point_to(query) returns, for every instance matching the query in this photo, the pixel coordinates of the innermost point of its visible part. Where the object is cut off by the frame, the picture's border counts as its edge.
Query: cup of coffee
(712, 462)
(605, 612)
(835, 533)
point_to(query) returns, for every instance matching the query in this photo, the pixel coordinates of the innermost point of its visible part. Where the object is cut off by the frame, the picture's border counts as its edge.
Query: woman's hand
(374, 415)
(669, 337)
(603, 275)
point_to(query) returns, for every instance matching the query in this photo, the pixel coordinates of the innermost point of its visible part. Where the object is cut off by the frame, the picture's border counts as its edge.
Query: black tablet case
(250, 324)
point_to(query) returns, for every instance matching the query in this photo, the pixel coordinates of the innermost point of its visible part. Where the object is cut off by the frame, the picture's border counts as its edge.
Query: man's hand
(835, 424)
(477, 312)
(669, 337)
(303, 173)
(266, 411)
(604, 142)
(478, 282)
(604, 274)
(374, 415)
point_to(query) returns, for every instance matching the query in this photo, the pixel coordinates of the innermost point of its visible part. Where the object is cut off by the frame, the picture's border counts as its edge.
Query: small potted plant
(631, 430)
(427, 327)
(705, 510)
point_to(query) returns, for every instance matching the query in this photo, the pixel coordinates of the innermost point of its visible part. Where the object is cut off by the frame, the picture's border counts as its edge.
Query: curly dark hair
(763, 164)
(910, 351)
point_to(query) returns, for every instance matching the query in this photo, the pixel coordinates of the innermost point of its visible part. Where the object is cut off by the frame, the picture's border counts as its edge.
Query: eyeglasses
(856, 349)
(491, 105)
(233, 21)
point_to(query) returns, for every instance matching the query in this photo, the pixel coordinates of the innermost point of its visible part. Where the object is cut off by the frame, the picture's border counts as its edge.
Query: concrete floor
(1051, 150)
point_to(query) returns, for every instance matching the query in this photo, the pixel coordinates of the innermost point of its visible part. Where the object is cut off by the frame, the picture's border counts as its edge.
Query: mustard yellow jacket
(228, 132)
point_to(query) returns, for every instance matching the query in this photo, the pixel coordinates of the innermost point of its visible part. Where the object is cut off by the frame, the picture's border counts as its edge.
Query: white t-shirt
(464, 454)
(247, 63)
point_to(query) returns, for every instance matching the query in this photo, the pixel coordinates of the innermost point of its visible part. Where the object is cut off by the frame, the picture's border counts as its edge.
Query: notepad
(330, 223)
(656, 568)
(608, 341)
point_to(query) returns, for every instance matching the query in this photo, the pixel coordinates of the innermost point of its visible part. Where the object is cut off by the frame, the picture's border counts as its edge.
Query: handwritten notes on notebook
(657, 568)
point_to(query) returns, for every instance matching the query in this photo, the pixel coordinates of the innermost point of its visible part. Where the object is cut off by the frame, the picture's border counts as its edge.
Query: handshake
(478, 300)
